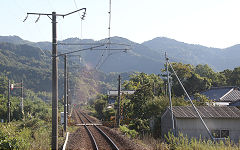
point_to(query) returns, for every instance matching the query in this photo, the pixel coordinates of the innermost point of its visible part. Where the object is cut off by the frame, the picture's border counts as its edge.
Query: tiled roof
(223, 94)
(206, 112)
(231, 96)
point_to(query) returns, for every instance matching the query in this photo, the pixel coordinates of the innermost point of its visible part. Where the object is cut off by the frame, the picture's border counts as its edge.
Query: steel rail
(110, 141)
(89, 133)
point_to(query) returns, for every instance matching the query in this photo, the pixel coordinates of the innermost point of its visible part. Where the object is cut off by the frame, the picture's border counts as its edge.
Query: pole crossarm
(61, 15)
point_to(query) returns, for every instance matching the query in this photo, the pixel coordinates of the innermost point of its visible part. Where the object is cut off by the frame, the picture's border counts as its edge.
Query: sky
(212, 23)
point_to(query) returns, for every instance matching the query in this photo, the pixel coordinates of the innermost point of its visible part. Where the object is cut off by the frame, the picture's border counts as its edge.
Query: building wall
(166, 123)
(195, 128)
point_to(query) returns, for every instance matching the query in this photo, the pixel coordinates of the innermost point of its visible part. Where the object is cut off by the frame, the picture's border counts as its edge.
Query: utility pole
(22, 98)
(55, 70)
(119, 99)
(54, 83)
(65, 93)
(9, 103)
(170, 96)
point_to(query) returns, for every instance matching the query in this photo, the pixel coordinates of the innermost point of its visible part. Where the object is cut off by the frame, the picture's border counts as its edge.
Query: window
(220, 133)
(224, 133)
(216, 133)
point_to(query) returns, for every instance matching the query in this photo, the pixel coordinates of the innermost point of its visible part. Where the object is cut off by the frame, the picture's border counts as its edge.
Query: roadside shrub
(128, 132)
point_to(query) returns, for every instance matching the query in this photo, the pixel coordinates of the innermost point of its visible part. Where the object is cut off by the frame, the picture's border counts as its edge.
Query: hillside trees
(3, 84)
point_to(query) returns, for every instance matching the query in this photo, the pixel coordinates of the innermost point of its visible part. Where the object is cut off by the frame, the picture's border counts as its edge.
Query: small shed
(222, 121)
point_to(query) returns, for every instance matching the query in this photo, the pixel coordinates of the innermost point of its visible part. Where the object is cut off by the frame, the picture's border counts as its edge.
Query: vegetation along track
(99, 139)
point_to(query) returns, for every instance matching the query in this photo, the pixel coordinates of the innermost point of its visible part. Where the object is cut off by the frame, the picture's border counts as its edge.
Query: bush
(128, 132)
(12, 138)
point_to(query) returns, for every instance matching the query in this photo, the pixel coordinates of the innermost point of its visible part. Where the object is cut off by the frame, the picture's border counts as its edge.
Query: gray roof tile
(206, 112)
(223, 94)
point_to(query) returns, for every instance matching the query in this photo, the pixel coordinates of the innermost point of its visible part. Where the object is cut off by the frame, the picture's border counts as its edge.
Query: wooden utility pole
(65, 93)
(9, 103)
(119, 99)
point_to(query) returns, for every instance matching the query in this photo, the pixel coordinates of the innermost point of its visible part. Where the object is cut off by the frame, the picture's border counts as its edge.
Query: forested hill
(146, 57)
(216, 58)
(27, 63)
(33, 66)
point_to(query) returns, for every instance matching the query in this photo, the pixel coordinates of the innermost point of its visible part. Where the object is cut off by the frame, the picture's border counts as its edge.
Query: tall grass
(181, 142)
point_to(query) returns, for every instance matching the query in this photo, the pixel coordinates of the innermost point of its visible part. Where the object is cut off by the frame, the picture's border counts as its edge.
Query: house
(235, 103)
(222, 121)
(113, 94)
(222, 96)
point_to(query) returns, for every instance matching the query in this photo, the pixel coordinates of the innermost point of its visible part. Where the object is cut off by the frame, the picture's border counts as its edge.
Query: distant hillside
(218, 59)
(146, 57)
(33, 66)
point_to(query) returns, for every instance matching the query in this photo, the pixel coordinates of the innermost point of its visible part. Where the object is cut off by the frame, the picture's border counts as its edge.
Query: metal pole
(8, 103)
(170, 96)
(65, 93)
(22, 97)
(119, 99)
(54, 84)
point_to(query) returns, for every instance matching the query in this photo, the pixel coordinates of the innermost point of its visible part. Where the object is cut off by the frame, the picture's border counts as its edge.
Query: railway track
(99, 139)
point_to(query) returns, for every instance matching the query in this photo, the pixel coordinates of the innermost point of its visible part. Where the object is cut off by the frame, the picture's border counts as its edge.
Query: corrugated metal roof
(115, 92)
(223, 94)
(206, 112)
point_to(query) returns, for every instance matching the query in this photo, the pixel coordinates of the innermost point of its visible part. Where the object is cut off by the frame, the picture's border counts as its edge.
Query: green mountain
(33, 65)
(146, 57)
(27, 63)
(218, 59)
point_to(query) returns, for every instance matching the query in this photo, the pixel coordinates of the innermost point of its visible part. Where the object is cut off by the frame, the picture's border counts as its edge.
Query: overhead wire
(101, 61)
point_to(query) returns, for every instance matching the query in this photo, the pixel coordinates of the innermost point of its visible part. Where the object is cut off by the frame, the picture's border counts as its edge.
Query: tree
(197, 84)
(235, 77)
(141, 79)
(99, 106)
(184, 72)
(3, 84)
(205, 71)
